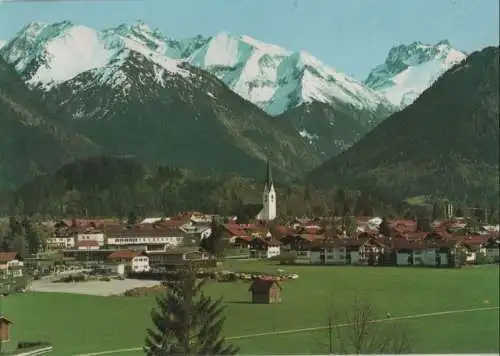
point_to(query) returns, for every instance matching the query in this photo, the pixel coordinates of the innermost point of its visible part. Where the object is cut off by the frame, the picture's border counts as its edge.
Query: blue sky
(350, 35)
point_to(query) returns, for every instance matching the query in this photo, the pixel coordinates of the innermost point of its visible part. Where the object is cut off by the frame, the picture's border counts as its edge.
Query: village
(155, 243)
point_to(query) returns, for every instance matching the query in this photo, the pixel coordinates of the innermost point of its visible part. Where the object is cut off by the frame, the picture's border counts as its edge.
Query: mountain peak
(409, 69)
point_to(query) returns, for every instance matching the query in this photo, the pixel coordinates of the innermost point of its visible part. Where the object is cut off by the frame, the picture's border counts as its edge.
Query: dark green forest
(118, 186)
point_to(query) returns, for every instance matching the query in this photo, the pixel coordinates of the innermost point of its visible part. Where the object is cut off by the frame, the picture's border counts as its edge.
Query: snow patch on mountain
(2, 43)
(411, 69)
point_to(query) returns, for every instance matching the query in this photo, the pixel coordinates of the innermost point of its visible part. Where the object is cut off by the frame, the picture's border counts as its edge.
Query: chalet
(176, 256)
(136, 261)
(265, 292)
(4, 329)
(12, 263)
(441, 253)
(296, 242)
(340, 251)
(266, 247)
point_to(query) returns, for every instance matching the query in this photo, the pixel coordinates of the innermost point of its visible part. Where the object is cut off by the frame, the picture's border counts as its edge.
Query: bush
(30, 344)
(285, 258)
(483, 259)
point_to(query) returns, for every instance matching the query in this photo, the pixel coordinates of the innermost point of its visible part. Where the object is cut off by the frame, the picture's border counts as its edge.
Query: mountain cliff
(411, 69)
(446, 142)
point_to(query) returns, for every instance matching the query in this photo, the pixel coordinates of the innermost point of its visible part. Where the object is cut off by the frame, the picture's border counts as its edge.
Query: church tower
(268, 211)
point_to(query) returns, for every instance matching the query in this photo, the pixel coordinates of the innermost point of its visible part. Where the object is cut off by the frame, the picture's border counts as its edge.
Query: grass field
(78, 324)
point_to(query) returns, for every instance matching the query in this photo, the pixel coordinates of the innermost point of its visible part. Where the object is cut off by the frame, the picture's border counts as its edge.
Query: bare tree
(361, 332)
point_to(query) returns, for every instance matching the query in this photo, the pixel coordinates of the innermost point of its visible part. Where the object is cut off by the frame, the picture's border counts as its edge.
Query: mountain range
(445, 143)
(130, 90)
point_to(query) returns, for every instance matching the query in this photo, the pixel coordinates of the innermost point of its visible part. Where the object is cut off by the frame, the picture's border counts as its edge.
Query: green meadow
(80, 324)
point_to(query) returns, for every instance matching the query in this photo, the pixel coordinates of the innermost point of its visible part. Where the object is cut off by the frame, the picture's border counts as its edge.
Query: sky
(352, 36)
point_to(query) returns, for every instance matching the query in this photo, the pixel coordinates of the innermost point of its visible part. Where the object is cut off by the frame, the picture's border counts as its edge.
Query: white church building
(268, 212)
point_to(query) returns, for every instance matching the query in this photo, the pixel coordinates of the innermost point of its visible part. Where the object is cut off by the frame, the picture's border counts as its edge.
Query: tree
(423, 224)
(362, 332)
(132, 218)
(214, 243)
(187, 322)
(384, 228)
(364, 205)
(32, 236)
(437, 212)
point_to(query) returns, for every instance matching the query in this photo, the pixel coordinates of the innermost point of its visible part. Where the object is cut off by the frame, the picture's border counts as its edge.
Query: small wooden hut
(265, 291)
(4, 329)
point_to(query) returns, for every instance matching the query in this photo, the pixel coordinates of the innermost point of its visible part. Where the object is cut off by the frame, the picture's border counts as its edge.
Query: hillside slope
(31, 142)
(445, 143)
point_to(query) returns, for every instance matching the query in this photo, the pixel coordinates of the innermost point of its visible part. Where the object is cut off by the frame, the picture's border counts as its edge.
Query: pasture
(84, 324)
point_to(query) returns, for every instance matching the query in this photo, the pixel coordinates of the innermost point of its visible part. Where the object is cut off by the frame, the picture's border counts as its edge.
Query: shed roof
(8, 256)
(263, 286)
(5, 320)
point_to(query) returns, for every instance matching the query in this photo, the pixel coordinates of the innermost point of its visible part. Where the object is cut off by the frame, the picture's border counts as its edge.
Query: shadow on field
(239, 302)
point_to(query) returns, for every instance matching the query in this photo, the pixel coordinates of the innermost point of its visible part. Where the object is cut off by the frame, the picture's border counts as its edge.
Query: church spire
(269, 175)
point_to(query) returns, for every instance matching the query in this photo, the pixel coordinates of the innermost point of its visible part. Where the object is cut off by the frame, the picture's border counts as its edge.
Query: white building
(135, 260)
(268, 211)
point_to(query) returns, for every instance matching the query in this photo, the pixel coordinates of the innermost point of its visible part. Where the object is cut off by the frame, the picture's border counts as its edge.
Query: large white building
(268, 211)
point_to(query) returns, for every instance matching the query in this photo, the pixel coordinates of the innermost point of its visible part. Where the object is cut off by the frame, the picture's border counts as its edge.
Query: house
(87, 245)
(493, 248)
(265, 292)
(266, 247)
(4, 329)
(12, 263)
(90, 234)
(136, 261)
(362, 251)
(150, 237)
(296, 242)
(176, 256)
(60, 242)
(440, 253)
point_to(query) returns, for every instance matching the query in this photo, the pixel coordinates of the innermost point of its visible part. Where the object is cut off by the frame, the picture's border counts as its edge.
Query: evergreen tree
(364, 206)
(384, 228)
(437, 212)
(31, 235)
(187, 322)
(132, 218)
(423, 224)
(214, 243)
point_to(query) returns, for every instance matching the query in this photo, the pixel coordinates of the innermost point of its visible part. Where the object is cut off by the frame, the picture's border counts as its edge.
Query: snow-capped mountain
(2, 43)
(268, 76)
(49, 54)
(120, 89)
(411, 69)
(276, 79)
